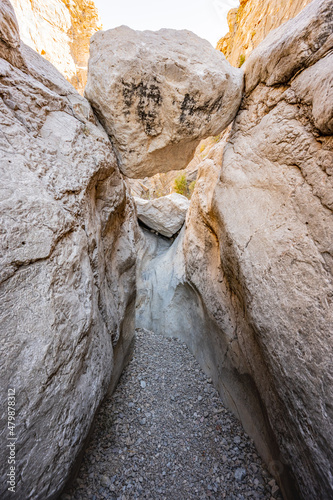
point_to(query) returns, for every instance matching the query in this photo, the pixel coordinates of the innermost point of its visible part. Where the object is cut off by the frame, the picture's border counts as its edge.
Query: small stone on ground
(165, 434)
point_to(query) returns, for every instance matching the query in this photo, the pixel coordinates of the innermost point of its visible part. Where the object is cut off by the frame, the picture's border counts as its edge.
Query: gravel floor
(165, 434)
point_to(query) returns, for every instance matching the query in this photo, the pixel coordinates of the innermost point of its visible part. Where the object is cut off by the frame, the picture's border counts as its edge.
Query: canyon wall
(248, 284)
(60, 31)
(251, 23)
(67, 282)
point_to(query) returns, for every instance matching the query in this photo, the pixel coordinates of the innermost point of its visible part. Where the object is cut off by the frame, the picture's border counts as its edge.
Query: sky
(206, 18)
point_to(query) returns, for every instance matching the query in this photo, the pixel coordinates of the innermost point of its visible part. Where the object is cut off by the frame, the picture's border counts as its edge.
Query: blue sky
(206, 18)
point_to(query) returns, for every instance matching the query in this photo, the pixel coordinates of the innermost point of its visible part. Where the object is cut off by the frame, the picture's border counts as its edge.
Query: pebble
(240, 474)
(174, 441)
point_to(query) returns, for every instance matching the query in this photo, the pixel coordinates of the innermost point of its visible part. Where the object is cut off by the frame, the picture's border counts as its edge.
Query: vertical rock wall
(60, 31)
(251, 23)
(67, 282)
(248, 284)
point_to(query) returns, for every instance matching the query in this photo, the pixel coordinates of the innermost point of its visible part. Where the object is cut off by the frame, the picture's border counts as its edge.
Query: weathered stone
(249, 283)
(60, 31)
(9, 32)
(250, 24)
(163, 184)
(67, 281)
(166, 214)
(158, 93)
(276, 61)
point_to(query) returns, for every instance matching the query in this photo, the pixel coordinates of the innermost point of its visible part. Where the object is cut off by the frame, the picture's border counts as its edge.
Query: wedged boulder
(67, 282)
(166, 214)
(257, 259)
(158, 93)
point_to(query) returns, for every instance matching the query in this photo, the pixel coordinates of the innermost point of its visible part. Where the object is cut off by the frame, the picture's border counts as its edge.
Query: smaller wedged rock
(158, 94)
(166, 215)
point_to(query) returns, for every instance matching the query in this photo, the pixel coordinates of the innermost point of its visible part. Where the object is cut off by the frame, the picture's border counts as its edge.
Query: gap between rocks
(165, 434)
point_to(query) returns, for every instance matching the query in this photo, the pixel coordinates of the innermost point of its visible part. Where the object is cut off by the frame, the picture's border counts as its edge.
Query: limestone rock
(60, 31)
(166, 214)
(158, 93)
(275, 61)
(250, 24)
(9, 33)
(67, 282)
(249, 283)
(163, 184)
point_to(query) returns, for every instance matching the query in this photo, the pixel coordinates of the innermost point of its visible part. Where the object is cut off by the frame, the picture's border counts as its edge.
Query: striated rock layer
(158, 93)
(60, 31)
(251, 23)
(67, 281)
(249, 282)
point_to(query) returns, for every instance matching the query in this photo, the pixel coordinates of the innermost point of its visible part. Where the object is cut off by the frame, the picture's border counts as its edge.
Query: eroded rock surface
(251, 23)
(166, 214)
(67, 282)
(158, 93)
(249, 283)
(60, 31)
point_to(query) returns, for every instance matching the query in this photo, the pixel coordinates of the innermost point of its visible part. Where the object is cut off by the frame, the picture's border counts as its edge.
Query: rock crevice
(248, 282)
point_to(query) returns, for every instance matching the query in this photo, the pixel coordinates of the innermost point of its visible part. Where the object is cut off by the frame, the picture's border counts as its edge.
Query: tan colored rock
(158, 93)
(271, 213)
(60, 31)
(166, 214)
(249, 283)
(67, 281)
(9, 33)
(251, 23)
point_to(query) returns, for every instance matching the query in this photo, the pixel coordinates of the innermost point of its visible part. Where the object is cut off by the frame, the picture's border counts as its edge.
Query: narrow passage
(165, 434)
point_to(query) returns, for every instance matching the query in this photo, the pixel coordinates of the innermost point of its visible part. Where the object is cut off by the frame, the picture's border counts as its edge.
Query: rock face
(158, 93)
(249, 283)
(251, 23)
(60, 31)
(162, 184)
(166, 215)
(67, 282)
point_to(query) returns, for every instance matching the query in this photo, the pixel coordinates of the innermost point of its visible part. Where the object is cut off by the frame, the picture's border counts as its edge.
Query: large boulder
(166, 214)
(249, 283)
(67, 282)
(158, 93)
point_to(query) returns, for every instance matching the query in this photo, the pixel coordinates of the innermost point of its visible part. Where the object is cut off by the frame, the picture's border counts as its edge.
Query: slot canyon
(164, 343)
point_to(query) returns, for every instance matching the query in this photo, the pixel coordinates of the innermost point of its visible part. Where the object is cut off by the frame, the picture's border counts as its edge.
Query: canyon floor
(165, 434)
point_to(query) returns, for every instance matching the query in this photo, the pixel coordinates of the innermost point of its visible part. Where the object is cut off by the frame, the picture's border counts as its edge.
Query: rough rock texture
(251, 23)
(67, 282)
(158, 93)
(162, 184)
(166, 214)
(249, 282)
(60, 31)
